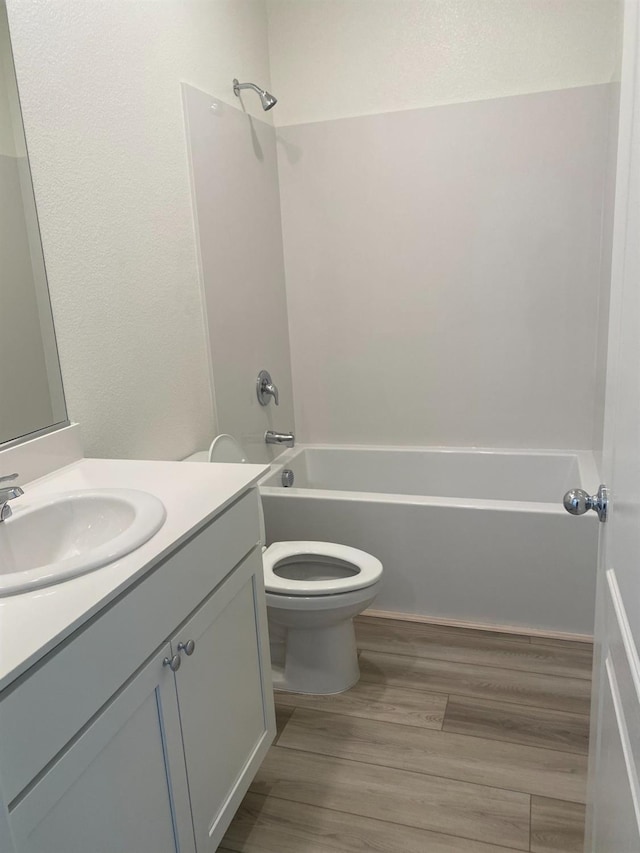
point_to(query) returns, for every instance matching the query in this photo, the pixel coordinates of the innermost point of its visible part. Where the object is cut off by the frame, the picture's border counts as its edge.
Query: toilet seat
(366, 569)
(224, 448)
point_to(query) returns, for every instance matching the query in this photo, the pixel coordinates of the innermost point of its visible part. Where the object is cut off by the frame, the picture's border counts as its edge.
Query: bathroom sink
(59, 537)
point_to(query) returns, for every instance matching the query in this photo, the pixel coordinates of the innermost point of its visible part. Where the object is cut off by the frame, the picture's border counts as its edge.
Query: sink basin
(56, 538)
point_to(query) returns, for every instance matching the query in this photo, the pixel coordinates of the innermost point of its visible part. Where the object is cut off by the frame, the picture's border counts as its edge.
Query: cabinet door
(225, 698)
(121, 786)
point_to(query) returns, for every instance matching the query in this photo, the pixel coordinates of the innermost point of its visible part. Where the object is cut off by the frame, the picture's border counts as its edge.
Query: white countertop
(32, 623)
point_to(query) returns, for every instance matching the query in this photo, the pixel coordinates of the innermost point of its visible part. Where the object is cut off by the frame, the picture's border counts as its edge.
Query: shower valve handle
(577, 502)
(265, 389)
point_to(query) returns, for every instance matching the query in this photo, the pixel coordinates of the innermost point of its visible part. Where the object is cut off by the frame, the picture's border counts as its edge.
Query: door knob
(577, 502)
(188, 648)
(173, 663)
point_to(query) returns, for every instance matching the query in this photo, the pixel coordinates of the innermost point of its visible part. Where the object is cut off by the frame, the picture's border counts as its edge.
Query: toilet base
(313, 640)
(321, 660)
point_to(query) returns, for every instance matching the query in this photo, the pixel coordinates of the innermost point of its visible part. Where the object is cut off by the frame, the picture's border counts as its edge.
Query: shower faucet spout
(286, 438)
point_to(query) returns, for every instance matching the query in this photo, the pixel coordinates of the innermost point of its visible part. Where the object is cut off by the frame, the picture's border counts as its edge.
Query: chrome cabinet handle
(188, 648)
(577, 502)
(173, 663)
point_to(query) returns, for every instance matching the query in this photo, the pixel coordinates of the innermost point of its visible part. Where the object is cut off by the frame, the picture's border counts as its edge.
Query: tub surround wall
(463, 273)
(237, 204)
(100, 89)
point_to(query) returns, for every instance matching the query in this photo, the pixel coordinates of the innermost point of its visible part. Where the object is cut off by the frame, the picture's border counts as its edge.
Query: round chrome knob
(577, 501)
(188, 648)
(173, 663)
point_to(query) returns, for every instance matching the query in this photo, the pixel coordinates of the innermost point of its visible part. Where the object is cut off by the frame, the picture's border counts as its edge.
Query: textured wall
(100, 88)
(340, 58)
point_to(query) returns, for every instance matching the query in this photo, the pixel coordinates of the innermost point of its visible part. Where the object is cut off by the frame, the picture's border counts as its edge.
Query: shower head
(266, 98)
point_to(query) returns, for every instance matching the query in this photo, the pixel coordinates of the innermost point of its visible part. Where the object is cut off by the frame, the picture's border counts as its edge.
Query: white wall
(100, 89)
(339, 58)
(443, 174)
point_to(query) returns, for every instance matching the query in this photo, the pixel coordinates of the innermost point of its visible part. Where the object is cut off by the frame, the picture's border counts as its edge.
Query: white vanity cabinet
(220, 696)
(122, 786)
(162, 765)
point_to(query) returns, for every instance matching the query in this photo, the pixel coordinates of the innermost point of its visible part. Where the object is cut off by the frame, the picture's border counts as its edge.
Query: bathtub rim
(587, 467)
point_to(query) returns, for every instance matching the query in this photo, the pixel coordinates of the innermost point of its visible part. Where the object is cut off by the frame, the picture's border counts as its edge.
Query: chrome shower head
(266, 98)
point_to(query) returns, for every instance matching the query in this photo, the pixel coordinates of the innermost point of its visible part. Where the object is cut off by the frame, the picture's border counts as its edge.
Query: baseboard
(479, 626)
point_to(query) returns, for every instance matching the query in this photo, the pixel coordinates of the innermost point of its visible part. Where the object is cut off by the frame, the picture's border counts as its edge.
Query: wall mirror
(31, 393)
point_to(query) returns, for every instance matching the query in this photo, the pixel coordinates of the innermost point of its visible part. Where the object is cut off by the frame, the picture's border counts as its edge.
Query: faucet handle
(9, 493)
(265, 388)
(273, 390)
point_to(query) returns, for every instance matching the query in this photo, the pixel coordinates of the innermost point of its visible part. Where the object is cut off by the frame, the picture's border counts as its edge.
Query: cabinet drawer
(47, 707)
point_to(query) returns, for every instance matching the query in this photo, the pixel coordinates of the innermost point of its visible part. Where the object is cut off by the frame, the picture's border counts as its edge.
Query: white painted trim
(478, 626)
(7, 844)
(625, 631)
(480, 504)
(627, 751)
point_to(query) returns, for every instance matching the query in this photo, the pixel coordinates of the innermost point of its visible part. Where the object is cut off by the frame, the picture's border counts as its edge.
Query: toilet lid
(290, 568)
(224, 448)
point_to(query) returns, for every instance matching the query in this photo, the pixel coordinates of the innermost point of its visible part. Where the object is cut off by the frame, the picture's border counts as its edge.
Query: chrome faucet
(287, 438)
(8, 494)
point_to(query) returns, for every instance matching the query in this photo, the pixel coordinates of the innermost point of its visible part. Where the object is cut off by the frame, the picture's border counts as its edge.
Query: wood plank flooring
(453, 740)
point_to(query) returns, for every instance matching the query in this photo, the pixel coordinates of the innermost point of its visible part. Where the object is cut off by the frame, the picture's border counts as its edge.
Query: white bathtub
(465, 536)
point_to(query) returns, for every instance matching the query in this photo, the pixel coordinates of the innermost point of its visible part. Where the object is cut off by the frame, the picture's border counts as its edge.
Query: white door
(613, 817)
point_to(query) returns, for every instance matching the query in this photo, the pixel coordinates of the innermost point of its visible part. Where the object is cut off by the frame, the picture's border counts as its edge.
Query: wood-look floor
(453, 741)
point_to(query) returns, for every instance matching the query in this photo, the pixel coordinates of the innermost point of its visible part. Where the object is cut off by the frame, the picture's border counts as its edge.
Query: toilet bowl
(313, 591)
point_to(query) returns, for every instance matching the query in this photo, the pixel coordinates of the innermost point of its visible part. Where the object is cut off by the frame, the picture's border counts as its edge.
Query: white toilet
(313, 590)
